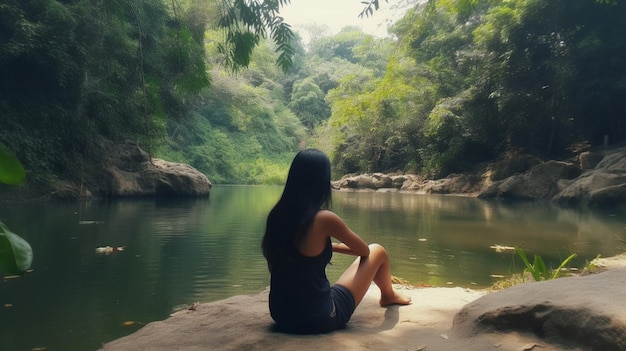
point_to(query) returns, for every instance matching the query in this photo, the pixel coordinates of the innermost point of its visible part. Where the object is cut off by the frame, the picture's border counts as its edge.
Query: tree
(246, 23)
(488, 76)
(111, 70)
(307, 102)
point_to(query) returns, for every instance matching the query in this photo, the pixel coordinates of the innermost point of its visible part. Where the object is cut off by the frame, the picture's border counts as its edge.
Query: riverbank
(576, 313)
(127, 171)
(590, 178)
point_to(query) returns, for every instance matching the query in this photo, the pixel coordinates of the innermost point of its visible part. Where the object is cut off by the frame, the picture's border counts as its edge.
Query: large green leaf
(11, 170)
(16, 255)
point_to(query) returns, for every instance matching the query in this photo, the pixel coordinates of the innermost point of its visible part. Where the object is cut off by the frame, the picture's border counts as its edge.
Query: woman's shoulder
(328, 218)
(326, 215)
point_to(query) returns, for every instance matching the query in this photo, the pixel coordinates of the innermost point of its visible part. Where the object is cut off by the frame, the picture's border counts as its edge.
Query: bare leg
(374, 268)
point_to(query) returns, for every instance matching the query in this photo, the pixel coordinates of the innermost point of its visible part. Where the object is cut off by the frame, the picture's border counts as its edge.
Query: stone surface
(604, 185)
(129, 172)
(584, 312)
(589, 160)
(577, 313)
(591, 178)
(541, 182)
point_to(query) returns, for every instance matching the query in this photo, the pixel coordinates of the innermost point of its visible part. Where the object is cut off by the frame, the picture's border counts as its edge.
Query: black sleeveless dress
(301, 298)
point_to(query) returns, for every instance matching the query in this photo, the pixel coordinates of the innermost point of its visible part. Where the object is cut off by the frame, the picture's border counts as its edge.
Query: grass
(538, 271)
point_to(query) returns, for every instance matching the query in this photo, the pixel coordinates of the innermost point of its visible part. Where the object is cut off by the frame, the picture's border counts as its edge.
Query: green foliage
(591, 266)
(340, 45)
(370, 7)
(538, 268)
(16, 254)
(246, 23)
(243, 132)
(11, 170)
(465, 81)
(78, 75)
(308, 102)
(488, 76)
(371, 127)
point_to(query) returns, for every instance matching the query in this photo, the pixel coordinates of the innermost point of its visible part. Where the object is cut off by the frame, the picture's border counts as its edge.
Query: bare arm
(350, 242)
(343, 249)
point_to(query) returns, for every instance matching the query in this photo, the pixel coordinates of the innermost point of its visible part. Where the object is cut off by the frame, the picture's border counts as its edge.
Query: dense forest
(228, 88)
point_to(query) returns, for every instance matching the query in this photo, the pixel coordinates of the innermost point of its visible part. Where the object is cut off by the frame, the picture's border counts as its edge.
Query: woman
(297, 245)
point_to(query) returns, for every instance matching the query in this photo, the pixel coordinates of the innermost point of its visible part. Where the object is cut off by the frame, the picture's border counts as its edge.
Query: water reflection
(441, 239)
(178, 252)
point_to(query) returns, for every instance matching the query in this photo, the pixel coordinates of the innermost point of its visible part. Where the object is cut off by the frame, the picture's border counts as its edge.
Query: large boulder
(357, 182)
(409, 182)
(130, 172)
(452, 184)
(509, 165)
(578, 313)
(604, 185)
(583, 312)
(589, 160)
(541, 182)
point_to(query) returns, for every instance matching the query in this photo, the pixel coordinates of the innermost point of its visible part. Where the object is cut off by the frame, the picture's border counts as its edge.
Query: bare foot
(396, 299)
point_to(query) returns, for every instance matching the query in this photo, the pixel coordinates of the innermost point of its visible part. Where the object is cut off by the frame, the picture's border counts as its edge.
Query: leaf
(529, 267)
(16, 254)
(11, 170)
(541, 268)
(565, 262)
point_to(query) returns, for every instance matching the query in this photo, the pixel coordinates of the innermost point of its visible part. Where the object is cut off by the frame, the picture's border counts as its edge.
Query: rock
(592, 178)
(412, 182)
(577, 313)
(614, 160)
(452, 184)
(398, 181)
(605, 185)
(579, 190)
(508, 165)
(589, 160)
(381, 181)
(587, 312)
(129, 172)
(365, 181)
(361, 182)
(609, 196)
(541, 182)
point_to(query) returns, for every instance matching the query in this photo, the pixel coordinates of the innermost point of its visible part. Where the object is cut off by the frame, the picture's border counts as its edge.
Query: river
(176, 252)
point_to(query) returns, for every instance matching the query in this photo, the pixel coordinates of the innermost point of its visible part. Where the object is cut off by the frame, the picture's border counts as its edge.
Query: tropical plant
(246, 23)
(538, 268)
(16, 254)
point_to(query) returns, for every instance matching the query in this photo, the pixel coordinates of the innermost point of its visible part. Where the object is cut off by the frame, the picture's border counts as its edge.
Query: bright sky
(337, 14)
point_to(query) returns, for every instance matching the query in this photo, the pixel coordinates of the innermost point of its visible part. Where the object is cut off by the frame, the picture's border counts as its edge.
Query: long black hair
(307, 191)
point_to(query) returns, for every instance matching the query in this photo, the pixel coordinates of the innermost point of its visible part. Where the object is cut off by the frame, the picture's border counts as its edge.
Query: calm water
(178, 252)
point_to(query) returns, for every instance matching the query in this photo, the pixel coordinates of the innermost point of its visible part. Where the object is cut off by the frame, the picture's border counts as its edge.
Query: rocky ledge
(576, 313)
(127, 171)
(594, 178)
(131, 172)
